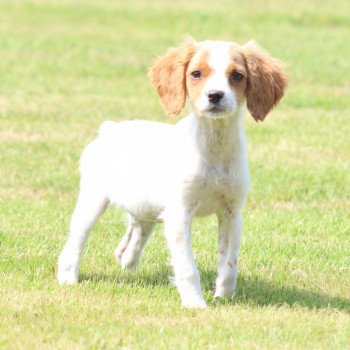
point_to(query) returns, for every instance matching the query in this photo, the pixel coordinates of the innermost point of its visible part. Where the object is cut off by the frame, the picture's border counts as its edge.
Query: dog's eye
(236, 76)
(196, 74)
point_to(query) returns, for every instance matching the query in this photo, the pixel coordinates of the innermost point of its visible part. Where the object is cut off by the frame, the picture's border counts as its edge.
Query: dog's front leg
(230, 232)
(177, 229)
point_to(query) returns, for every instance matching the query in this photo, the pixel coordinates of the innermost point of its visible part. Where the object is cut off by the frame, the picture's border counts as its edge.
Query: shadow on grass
(138, 278)
(251, 290)
(260, 292)
(256, 291)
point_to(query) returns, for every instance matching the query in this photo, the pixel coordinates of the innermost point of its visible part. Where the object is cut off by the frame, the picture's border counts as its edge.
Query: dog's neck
(217, 140)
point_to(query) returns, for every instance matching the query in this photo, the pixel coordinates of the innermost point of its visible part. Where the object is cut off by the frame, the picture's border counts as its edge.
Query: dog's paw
(194, 303)
(67, 275)
(224, 290)
(223, 293)
(67, 272)
(129, 260)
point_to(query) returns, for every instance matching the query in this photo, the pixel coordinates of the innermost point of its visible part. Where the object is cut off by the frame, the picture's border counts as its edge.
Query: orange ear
(266, 81)
(168, 76)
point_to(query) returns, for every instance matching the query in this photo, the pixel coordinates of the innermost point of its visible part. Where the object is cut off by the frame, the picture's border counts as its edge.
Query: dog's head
(218, 77)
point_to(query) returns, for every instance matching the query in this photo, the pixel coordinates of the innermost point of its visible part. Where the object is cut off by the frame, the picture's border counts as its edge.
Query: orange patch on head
(237, 65)
(195, 85)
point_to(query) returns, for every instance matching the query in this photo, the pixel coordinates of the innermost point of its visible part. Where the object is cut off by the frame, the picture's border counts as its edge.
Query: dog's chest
(218, 188)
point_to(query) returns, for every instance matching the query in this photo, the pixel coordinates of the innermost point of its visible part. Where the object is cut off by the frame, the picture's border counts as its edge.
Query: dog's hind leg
(90, 206)
(126, 238)
(130, 248)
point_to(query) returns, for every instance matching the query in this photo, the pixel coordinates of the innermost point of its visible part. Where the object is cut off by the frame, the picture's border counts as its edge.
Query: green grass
(66, 66)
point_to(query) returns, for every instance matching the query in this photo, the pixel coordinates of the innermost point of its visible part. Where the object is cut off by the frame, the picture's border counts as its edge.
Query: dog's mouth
(217, 111)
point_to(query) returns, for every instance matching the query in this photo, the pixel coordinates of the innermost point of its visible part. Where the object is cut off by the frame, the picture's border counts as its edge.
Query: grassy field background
(66, 66)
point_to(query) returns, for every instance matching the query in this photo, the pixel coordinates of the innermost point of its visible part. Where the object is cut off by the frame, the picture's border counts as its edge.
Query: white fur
(163, 173)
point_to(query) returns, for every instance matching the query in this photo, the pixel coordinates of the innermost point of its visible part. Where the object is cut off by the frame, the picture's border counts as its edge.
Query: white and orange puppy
(165, 173)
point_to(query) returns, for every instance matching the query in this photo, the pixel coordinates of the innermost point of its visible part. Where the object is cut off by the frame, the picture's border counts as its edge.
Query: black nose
(215, 96)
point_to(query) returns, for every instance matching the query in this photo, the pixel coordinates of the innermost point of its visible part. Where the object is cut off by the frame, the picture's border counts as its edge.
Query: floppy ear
(266, 81)
(168, 76)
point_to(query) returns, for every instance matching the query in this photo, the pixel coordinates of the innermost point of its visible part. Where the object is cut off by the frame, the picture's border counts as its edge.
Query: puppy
(164, 173)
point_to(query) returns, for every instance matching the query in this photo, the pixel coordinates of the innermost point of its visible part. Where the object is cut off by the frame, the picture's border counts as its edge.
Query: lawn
(65, 67)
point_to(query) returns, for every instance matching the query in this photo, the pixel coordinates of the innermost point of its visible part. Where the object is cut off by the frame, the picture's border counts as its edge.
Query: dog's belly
(148, 197)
